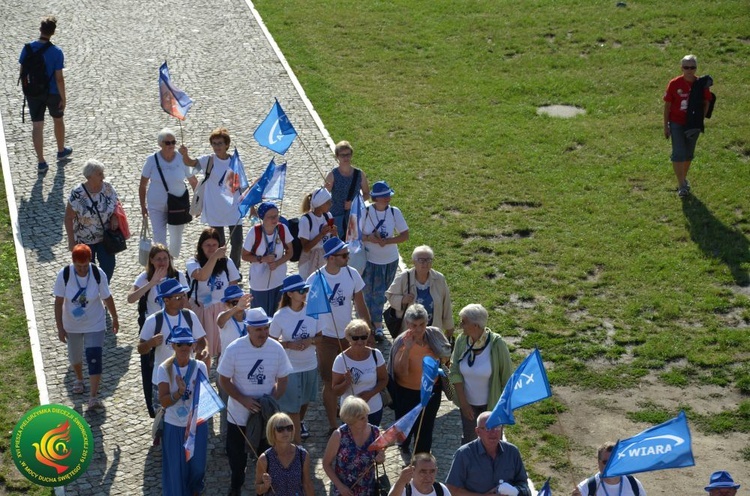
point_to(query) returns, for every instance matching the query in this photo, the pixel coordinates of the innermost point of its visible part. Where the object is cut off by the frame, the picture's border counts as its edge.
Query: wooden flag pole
(322, 175)
(416, 438)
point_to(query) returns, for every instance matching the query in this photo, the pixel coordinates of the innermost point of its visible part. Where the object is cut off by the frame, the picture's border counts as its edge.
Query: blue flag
(275, 188)
(430, 370)
(545, 490)
(318, 299)
(235, 179)
(663, 446)
(205, 404)
(356, 224)
(527, 385)
(255, 194)
(276, 132)
(174, 101)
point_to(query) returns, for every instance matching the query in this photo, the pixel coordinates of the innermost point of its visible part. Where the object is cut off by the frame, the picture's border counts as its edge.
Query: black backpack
(193, 285)
(34, 79)
(591, 482)
(435, 485)
(94, 269)
(293, 225)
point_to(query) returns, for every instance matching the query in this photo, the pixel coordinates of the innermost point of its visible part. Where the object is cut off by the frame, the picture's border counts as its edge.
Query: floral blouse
(352, 461)
(86, 225)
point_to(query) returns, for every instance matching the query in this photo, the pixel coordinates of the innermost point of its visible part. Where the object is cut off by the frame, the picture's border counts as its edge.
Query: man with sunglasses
(346, 292)
(253, 371)
(609, 486)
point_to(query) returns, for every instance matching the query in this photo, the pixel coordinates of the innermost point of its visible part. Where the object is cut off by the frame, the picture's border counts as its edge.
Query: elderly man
(346, 291)
(721, 484)
(487, 465)
(253, 371)
(596, 485)
(418, 479)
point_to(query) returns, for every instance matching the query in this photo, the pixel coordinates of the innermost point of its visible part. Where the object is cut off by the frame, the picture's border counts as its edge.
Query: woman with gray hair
(425, 286)
(164, 173)
(405, 367)
(480, 367)
(89, 211)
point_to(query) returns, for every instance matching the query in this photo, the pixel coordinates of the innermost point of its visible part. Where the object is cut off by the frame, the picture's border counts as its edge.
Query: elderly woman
(89, 212)
(159, 268)
(425, 286)
(480, 367)
(345, 182)
(268, 246)
(316, 226)
(384, 228)
(164, 172)
(678, 100)
(405, 365)
(346, 461)
(221, 200)
(81, 292)
(177, 377)
(284, 468)
(297, 332)
(360, 370)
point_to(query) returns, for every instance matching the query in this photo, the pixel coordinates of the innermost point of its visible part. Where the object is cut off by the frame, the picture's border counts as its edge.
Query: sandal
(95, 404)
(78, 387)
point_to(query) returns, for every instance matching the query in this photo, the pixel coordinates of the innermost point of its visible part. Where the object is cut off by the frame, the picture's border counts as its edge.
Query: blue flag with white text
(276, 132)
(430, 370)
(318, 299)
(527, 385)
(666, 445)
(255, 194)
(275, 188)
(174, 101)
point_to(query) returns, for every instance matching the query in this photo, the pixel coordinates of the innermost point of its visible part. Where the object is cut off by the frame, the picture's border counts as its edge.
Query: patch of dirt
(563, 111)
(594, 418)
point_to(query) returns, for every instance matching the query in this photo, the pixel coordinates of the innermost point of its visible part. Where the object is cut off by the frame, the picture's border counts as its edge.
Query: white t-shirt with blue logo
(343, 287)
(289, 325)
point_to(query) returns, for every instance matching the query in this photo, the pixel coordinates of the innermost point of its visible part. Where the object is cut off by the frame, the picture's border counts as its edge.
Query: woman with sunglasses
(480, 367)
(176, 378)
(164, 172)
(159, 268)
(360, 370)
(284, 468)
(679, 103)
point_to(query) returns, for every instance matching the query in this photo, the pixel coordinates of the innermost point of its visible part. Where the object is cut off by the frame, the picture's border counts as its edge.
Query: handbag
(114, 241)
(196, 207)
(385, 395)
(382, 483)
(144, 245)
(122, 220)
(178, 207)
(448, 388)
(392, 321)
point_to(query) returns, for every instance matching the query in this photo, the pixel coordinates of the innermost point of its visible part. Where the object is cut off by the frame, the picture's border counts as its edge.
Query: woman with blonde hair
(316, 226)
(284, 468)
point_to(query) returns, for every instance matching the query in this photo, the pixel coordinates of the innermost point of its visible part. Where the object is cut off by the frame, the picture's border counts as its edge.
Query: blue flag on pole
(255, 194)
(545, 490)
(205, 404)
(276, 132)
(174, 101)
(356, 224)
(275, 188)
(430, 370)
(318, 299)
(666, 445)
(527, 385)
(398, 431)
(235, 179)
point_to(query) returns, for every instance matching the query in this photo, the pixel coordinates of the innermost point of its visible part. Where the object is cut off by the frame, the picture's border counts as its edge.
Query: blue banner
(255, 194)
(318, 298)
(174, 101)
(545, 490)
(666, 445)
(430, 370)
(527, 385)
(276, 132)
(275, 188)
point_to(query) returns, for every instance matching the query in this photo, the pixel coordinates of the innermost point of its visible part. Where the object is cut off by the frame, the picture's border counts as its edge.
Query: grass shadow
(717, 240)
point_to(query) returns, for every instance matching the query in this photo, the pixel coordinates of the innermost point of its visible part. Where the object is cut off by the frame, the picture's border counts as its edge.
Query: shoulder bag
(196, 207)
(114, 241)
(178, 207)
(392, 321)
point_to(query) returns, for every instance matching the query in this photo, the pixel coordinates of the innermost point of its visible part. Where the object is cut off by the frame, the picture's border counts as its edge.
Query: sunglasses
(176, 297)
(303, 290)
(287, 428)
(342, 255)
(689, 67)
(169, 142)
(359, 338)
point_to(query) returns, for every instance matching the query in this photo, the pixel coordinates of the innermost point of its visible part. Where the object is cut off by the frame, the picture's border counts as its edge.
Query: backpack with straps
(34, 80)
(293, 225)
(435, 485)
(591, 483)
(92, 267)
(193, 285)
(259, 235)
(159, 316)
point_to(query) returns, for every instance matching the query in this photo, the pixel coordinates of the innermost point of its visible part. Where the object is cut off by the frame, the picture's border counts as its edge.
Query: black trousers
(404, 401)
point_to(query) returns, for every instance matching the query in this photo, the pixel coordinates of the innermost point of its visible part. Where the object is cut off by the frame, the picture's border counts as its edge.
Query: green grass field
(569, 231)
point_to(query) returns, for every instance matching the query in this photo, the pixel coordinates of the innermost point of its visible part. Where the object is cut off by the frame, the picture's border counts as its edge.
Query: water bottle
(499, 483)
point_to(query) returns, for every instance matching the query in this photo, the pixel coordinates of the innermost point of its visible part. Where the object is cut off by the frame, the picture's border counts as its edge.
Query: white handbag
(196, 205)
(144, 245)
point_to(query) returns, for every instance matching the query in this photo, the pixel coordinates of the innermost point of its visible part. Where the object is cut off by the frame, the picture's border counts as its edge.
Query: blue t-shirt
(54, 60)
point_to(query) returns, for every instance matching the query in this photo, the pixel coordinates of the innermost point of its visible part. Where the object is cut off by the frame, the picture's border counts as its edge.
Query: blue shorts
(683, 144)
(301, 389)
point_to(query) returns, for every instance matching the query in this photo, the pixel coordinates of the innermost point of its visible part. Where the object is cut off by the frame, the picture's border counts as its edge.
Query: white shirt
(611, 489)
(364, 376)
(477, 378)
(231, 331)
(177, 414)
(151, 305)
(86, 312)
(415, 491)
(343, 286)
(220, 207)
(253, 371)
(384, 224)
(211, 291)
(289, 325)
(175, 172)
(164, 351)
(260, 277)
(310, 226)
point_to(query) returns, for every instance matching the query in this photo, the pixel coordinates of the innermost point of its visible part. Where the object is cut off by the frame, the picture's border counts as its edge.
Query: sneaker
(95, 404)
(64, 153)
(687, 185)
(42, 167)
(78, 387)
(303, 432)
(683, 192)
(379, 335)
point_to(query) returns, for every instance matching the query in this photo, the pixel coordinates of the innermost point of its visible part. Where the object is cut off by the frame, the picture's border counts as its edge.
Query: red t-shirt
(678, 92)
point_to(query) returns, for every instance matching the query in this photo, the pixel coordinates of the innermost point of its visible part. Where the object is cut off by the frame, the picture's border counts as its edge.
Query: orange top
(414, 379)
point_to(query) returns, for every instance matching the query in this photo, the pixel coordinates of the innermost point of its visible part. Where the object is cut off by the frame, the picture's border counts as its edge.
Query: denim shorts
(683, 144)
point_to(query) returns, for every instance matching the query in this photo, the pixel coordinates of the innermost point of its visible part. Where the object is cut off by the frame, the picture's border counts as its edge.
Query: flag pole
(247, 441)
(338, 339)
(311, 157)
(182, 138)
(416, 438)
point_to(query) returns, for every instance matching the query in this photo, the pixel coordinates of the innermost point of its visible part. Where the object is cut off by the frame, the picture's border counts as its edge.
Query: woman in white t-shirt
(384, 228)
(80, 297)
(159, 268)
(268, 246)
(164, 168)
(316, 227)
(360, 370)
(297, 331)
(222, 193)
(210, 273)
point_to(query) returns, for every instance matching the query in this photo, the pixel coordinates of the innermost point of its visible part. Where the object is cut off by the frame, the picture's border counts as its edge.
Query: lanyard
(169, 326)
(188, 374)
(619, 493)
(81, 289)
(270, 246)
(240, 330)
(376, 227)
